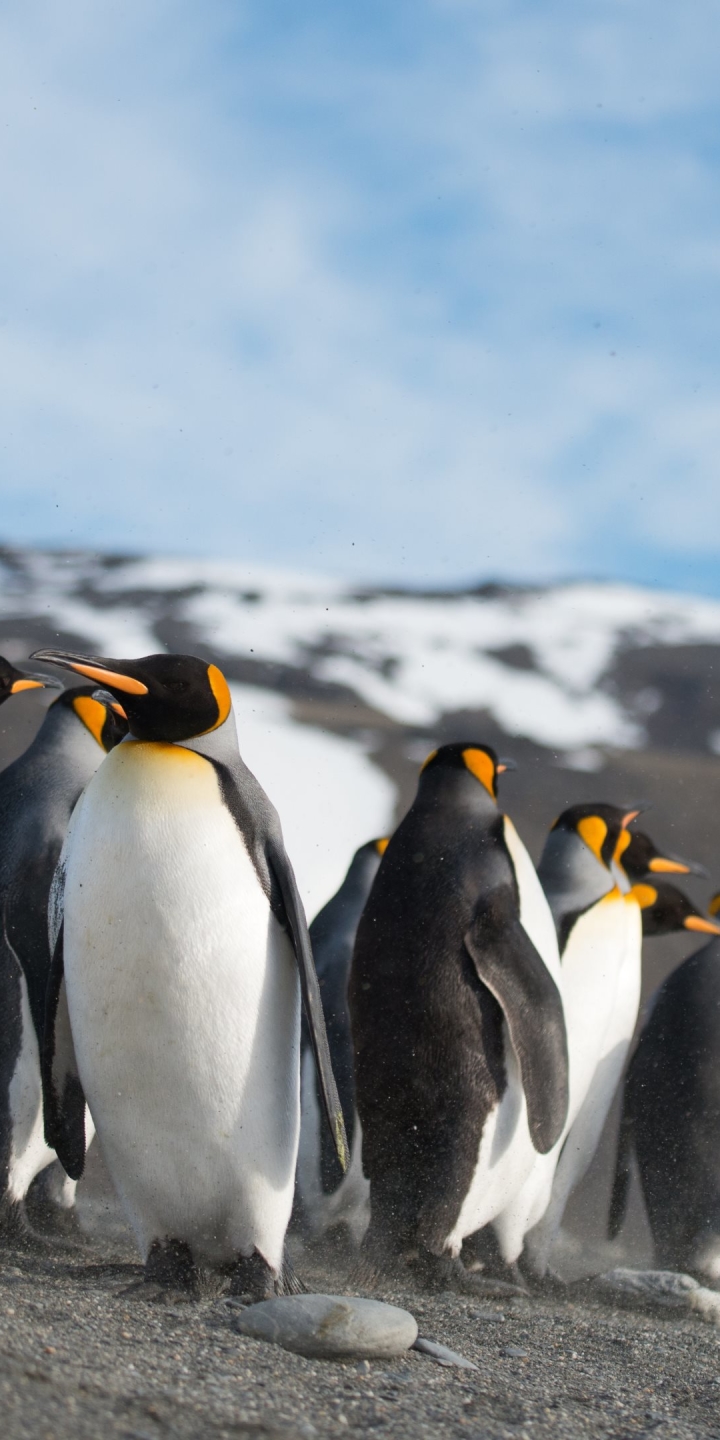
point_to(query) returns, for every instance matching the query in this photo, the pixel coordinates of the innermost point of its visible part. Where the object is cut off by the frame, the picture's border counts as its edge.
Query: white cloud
(281, 289)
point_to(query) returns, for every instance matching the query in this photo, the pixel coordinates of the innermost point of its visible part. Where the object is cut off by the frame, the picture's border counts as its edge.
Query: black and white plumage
(174, 1003)
(328, 1199)
(671, 1101)
(599, 926)
(458, 1030)
(38, 792)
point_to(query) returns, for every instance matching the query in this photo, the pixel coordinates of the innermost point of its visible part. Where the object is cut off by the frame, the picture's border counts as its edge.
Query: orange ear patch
(221, 691)
(481, 766)
(593, 831)
(381, 845)
(623, 841)
(645, 895)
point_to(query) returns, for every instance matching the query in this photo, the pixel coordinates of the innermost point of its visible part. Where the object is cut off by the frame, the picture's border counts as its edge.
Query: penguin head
(13, 681)
(165, 697)
(665, 909)
(100, 714)
(479, 761)
(641, 857)
(602, 829)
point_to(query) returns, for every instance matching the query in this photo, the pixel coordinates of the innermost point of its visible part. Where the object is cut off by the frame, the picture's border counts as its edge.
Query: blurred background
(372, 351)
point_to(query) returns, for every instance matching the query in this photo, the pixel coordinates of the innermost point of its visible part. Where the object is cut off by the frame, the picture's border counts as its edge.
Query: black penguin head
(165, 697)
(603, 828)
(13, 681)
(641, 857)
(480, 761)
(100, 714)
(665, 909)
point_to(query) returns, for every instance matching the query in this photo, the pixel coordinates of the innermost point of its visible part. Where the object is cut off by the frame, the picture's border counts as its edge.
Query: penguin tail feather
(621, 1183)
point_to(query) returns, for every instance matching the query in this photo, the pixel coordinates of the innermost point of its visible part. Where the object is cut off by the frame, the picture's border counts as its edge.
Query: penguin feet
(17, 1234)
(252, 1279)
(171, 1275)
(443, 1272)
(54, 1221)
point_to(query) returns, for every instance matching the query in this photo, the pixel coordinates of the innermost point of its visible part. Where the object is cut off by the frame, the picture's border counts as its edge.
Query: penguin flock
(422, 1075)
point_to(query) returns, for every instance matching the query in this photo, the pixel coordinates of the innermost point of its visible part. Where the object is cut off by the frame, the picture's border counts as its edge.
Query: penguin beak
(663, 865)
(705, 927)
(632, 815)
(91, 667)
(29, 681)
(504, 765)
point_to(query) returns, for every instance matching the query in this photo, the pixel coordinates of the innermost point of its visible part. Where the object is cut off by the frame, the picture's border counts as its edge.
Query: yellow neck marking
(93, 715)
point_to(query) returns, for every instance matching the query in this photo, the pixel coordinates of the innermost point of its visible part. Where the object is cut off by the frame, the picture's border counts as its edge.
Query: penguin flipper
(63, 1095)
(507, 962)
(294, 917)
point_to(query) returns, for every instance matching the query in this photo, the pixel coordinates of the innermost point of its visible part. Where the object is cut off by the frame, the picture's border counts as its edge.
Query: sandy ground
(78, 1358)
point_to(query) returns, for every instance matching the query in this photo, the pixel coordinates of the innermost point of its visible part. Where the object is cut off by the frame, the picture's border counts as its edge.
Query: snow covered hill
(325, 675)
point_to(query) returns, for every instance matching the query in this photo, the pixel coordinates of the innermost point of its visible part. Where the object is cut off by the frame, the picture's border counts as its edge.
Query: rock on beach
(330, 1327)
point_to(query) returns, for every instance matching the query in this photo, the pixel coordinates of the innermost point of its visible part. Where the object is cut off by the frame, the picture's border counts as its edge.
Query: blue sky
(416, 291)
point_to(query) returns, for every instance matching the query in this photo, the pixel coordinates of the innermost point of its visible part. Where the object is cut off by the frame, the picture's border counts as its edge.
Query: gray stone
(442, 1354)
(660, 1289)
(330, 1327)
(516, 1351)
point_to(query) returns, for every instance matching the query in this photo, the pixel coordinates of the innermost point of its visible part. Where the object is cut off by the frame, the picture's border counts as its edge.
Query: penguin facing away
(671, 1102)
(599, 927)
(457, 1021)
(38, 792)
(327, 1198)
(174, 1002)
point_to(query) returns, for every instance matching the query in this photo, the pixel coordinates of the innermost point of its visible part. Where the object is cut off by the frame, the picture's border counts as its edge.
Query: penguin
(461, 1067)
(328, 1201)
(641, 857)
(671, 1101)
(598, 919)
(14, 681)
(38, 792)
(174, 997)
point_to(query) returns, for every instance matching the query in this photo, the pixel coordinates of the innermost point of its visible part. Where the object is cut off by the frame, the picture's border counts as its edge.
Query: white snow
(412, 658)
(329, 795)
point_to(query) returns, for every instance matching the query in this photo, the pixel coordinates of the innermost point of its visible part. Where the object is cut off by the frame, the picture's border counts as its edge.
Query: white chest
(183, 996)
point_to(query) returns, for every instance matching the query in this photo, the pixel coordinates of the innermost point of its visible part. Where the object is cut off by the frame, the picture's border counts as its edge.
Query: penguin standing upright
(457, 1021)
(599, 925)
(671, 1099)
(328, 1199)
(37, 794)
(174, 1002)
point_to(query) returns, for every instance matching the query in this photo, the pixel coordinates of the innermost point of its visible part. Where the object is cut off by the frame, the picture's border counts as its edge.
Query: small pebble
(516, 1351)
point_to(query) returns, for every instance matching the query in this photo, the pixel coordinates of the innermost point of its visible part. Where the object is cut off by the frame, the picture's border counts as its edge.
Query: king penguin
(14, 681)
(38, 792)
(599, 925)
(671, 1100)
(174, 999)
(458, 1030)
(330, 1202)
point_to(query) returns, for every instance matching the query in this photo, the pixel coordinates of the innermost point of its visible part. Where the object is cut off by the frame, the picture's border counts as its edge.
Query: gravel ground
(78, 1358)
